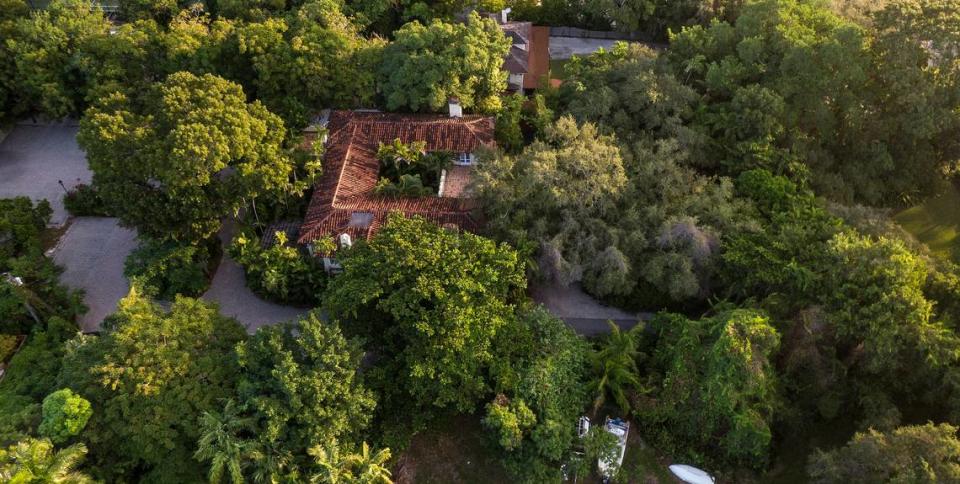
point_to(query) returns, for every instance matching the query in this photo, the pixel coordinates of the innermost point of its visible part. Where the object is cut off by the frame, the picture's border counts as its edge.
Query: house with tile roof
(345, 204)
(528, 60)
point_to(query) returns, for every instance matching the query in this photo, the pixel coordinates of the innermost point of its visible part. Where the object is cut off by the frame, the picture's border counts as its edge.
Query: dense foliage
(793, 88)
(717, 394)
(540, 380)
(168, 268)
(301, 388)
(715, 178)
(149, 377)
(920, 453)
(432, 302)
(190, 150)
(29, 290)
(279, 272)
(427, 65)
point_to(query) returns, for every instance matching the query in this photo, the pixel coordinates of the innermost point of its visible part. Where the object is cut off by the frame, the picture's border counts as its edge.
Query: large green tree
(187, 152)
(629, 222)
(540, 383)
(313, 58)
(150, 377)
(10, 11)
(426, 65)
(431, 302)
(919, 453)
(714, 391)
(46, 51)
(300, 387)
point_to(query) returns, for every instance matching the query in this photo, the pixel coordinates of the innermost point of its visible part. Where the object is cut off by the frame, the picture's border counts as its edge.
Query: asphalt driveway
(92, 252)
(229, 290)
(35, 157)
(582, 312)
(567, 47)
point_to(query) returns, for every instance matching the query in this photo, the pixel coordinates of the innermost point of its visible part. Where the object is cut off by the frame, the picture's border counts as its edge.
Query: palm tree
(615, 368)
(370, 468)
(36, 461)
(222, 444)
(355, 468)
(333, 467)
(270, 463)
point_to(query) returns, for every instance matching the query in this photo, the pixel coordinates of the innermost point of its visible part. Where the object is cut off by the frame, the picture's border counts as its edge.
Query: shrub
(8, 344)
(84, 201)
(30, 375)
(279, 273)
(65, 414)
(21, 225)
(168, 268)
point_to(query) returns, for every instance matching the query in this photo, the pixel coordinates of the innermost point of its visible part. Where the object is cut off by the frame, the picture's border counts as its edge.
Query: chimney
(504, 13)
(456, 111)
(345, 241)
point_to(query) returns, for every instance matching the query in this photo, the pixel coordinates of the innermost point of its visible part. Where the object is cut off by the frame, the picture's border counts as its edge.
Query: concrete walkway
(92, 253)
(35, 157)
(230, 291)
(582, 312)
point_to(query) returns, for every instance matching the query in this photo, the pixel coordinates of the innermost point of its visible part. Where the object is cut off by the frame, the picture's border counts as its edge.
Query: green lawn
(936, 223)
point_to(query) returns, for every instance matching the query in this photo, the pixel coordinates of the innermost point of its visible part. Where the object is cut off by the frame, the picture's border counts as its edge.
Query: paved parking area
(34, 157)
(567, 47)
(582, 312)
(92, 252)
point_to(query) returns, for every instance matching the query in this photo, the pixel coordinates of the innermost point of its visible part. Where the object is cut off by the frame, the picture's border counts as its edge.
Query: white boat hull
(691, 475)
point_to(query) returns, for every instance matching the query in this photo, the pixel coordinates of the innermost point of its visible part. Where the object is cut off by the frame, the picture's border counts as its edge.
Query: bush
(34, 278)
(167, 268)
(65, 414)
(279, 273)
(8, 344)
(84, 201)
(21, 225)
(31, 375)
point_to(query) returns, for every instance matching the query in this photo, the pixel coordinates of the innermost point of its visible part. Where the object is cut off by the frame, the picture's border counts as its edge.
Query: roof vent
(456, 111)
(503, 14)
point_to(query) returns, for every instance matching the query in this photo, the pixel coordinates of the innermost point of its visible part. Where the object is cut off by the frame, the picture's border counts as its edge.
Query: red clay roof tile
(351, 169)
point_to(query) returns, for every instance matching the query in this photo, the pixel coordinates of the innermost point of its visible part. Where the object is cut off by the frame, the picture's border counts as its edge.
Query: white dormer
(345, 241)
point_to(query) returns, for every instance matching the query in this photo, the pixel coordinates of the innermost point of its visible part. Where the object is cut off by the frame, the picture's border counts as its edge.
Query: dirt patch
(453, 450)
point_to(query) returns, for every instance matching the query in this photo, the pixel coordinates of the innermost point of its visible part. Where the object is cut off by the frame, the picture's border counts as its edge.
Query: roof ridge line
(343, 165)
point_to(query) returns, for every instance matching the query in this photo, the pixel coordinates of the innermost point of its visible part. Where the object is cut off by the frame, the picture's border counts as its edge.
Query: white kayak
(691, 475)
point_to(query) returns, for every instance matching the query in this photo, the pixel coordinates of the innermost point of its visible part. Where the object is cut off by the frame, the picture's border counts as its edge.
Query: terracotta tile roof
(351, 169)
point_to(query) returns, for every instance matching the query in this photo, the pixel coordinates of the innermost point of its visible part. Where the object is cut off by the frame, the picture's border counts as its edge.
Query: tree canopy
(188, 151)
(919, 453)
(149, 377)
(717, 391)
(433, 302)
(427, 65)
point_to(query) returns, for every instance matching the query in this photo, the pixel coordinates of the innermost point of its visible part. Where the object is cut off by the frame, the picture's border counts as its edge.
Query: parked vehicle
(621, 430)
